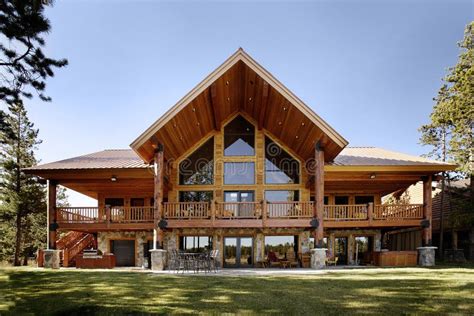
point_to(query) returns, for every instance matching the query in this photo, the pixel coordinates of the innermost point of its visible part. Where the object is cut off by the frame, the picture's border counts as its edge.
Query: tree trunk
(17, 260)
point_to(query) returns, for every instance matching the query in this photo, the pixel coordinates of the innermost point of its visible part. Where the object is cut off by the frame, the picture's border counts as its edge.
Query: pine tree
(22, 197)
(450, 132)
(24, 66)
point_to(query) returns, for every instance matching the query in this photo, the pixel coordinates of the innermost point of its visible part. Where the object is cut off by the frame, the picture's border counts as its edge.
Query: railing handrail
(238, 210)
(345, 212)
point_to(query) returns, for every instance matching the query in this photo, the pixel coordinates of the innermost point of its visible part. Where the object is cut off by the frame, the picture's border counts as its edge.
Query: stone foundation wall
(140, 237)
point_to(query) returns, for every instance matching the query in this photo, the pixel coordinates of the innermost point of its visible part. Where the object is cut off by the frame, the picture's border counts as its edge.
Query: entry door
(243, 210)
(124, 251)
(238, 252)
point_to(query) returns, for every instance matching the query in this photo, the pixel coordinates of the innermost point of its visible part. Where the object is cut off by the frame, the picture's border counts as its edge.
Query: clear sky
(369, 68)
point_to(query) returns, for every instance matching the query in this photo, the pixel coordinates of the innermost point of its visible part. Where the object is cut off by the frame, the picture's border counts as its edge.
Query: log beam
(52, 215)
(427, 210)
(318, 212)
(158, 195)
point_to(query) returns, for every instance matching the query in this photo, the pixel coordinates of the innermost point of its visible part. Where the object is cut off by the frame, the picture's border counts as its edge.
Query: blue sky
(369, 68)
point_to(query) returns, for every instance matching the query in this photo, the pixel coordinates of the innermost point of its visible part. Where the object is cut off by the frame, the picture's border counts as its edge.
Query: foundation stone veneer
(318, 258)
(158, 259)
(426, 256)
(51, 258)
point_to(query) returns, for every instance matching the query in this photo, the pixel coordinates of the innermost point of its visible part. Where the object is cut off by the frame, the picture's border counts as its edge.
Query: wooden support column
(158, 196)
(52, 216)
(318, 211)
(427, 210)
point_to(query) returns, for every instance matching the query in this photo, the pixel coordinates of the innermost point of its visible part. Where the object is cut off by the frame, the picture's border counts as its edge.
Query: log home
(237, 162)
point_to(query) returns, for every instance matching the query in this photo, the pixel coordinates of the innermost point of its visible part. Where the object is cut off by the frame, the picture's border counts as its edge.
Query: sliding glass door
(238, 252)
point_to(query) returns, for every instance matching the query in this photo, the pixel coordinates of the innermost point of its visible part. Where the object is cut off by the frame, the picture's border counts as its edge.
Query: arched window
(198, 168)
(280, 167)
(239, 138)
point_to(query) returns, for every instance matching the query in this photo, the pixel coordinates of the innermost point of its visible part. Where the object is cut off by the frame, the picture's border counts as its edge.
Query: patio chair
(333, 260)
(273, 260)
(291, 258)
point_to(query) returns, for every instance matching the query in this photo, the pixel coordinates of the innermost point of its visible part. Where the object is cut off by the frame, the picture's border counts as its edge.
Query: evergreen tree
(22, 197)
(24, 67)
(450, 132)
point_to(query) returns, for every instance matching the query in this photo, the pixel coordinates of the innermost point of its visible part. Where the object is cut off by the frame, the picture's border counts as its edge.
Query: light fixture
(113, 178)
(372, 176)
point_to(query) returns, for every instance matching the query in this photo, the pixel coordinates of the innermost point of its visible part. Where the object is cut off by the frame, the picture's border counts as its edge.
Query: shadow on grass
(390, 291)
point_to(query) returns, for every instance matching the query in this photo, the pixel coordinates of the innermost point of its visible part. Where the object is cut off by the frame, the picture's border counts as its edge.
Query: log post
(52, 215)
(370, 213)
(158, 195)
(427, 210)
(318, 211)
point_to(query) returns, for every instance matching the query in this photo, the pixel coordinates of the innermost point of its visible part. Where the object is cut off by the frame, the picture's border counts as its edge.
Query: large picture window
(280, 167)
(198, 168)
(239, 173)
(239, 138)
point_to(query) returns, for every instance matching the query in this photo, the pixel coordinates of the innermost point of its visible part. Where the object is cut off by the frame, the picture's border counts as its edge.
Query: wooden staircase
(72, 244)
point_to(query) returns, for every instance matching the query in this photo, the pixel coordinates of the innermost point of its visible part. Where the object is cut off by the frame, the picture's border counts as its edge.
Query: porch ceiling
(239, 85)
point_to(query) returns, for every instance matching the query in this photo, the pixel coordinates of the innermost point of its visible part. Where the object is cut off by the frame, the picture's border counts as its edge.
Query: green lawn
(389, 291)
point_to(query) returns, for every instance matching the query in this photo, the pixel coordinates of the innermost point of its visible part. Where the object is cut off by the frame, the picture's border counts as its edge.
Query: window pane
(195, 196)
(239, 173)
(239, 138)
(279, 246)
(281, 196)
(364, 199)
(112, 202)
(280, 167)
(341, 200)
(195, 243)
(198, 168)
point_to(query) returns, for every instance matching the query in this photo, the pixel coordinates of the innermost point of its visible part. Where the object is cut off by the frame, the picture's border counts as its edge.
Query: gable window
(239, 173)
(280, 167)
(198, 168)
(239, 138)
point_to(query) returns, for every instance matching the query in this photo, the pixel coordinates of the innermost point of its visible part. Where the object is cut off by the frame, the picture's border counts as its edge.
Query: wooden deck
(238, 215)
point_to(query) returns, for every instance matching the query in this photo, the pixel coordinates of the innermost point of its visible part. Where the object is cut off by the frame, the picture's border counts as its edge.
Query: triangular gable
(240, 84)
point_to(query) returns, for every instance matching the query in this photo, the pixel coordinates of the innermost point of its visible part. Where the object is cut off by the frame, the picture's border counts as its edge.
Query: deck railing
(80, 215)
(230, 210)
(289, 209)
(237, 210)
(398, 211)
(132, 214)
(345, 212)
(186, 210)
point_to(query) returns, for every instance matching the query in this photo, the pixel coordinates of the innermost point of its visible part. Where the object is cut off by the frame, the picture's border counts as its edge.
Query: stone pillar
(331, 241)
(318, 258)
(426, 256)
(51, 258)
(351, 249)
(171, 241)
(158, 259)
(304, 241)
(217, 245)
(259, 247)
